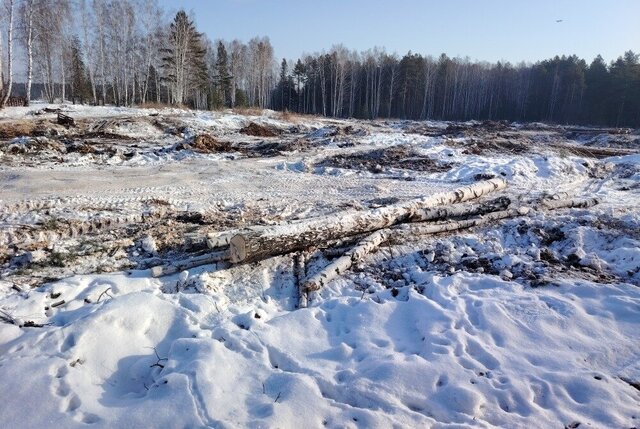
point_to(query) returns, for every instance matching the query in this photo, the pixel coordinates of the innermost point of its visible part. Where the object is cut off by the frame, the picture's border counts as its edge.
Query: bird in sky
(559, 20)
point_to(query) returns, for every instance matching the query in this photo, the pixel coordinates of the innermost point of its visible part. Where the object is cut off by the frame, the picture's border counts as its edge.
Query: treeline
(126, 52)
(375, 84)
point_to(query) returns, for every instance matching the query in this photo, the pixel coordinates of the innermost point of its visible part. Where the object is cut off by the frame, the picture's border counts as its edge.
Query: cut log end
(238, 249)
(156, 272)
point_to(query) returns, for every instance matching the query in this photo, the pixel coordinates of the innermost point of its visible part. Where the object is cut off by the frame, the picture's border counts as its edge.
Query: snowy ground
(532, 322)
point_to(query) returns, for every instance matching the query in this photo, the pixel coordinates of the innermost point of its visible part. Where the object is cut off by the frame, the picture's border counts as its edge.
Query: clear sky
(492, 30)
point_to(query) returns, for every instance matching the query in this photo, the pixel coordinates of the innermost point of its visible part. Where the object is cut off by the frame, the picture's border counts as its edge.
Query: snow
(530, 322)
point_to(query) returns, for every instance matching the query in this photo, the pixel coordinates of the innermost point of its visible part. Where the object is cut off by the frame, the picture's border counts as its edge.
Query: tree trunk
(570, 203)
(430, 214)
(185, 264)
(7, 93)
(300, 273)
(29, 51)
(342, 264)
(262, 242)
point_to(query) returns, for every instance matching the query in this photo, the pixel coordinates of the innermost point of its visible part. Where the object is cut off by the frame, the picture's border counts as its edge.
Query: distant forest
(125, 52)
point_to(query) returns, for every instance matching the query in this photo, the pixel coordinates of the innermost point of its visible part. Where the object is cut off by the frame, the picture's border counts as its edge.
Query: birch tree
(5, 92)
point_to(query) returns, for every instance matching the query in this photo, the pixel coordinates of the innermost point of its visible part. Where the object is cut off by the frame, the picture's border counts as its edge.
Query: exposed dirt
(499, 137)
(497, 145)
(33, 145)
(269, 149)
(516, 143)
(204, 143)
(258, 130)
(29, 128)
(394, 157)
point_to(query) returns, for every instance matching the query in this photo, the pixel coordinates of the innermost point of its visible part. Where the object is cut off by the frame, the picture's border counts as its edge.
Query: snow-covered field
(530, 322)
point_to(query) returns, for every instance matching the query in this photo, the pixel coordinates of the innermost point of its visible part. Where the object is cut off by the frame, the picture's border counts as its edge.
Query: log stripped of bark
(264, 242)
(214, 240)
(300, 272)
(185, 264)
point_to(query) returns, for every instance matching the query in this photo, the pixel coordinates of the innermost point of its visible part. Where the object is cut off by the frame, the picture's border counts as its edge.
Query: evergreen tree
(284, 97)
(597, 82)
(223, 77)
(80, 88)
(299, 73)
(184, 61)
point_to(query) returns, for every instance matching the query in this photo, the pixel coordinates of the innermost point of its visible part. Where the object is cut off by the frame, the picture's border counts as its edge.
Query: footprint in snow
(70, 402)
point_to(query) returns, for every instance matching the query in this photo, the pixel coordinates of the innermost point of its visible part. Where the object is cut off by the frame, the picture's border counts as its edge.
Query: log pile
(17, 102)
(66, 120)
(438, 213)
(260, 243)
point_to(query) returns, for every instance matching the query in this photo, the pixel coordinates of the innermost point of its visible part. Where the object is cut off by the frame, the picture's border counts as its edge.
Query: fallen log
(466, 223)
(430, 214)
(259, 243)
(213, 240)
(342, 264)
(66, 120)
(369, 244)
(299, 271)
(592, 151)
(185, 264)
(570, 203)
(503, 214)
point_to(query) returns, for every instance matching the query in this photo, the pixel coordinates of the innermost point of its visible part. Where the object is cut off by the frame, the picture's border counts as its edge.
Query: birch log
(369, 244)
(264, 242)
(342, 264)
(503, 214)
(185, 264)
(570, 203)
(299, 270)
(466, 223)
(431, 214)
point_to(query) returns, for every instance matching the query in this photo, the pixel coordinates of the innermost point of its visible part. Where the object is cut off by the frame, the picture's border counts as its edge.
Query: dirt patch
(9, 130)
(334, 131)
(31, 128)
(493, 144)
(23, 146)
(82, 148)
(592, 151)
(269, 149)
(258, 130)
(459, 129)
(204, 143)
(394, 157)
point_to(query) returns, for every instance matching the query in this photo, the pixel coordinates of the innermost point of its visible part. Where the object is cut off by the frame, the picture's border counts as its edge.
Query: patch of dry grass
(294, 117)
(11, 129)
(154, 105)
(247, 111)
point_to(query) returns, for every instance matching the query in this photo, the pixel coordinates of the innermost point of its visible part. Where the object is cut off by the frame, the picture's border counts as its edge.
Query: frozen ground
(531, 322)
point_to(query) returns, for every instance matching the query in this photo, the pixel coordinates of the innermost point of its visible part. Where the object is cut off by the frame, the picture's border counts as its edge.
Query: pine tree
(299, 73)
(80, 88)
(184, 61)
(283, 83)
(223, 77)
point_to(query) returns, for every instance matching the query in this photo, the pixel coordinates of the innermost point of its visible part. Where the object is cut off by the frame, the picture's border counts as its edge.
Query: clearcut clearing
(530, 321)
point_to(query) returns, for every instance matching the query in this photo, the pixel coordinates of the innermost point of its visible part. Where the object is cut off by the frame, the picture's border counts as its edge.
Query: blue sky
(489, 30)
